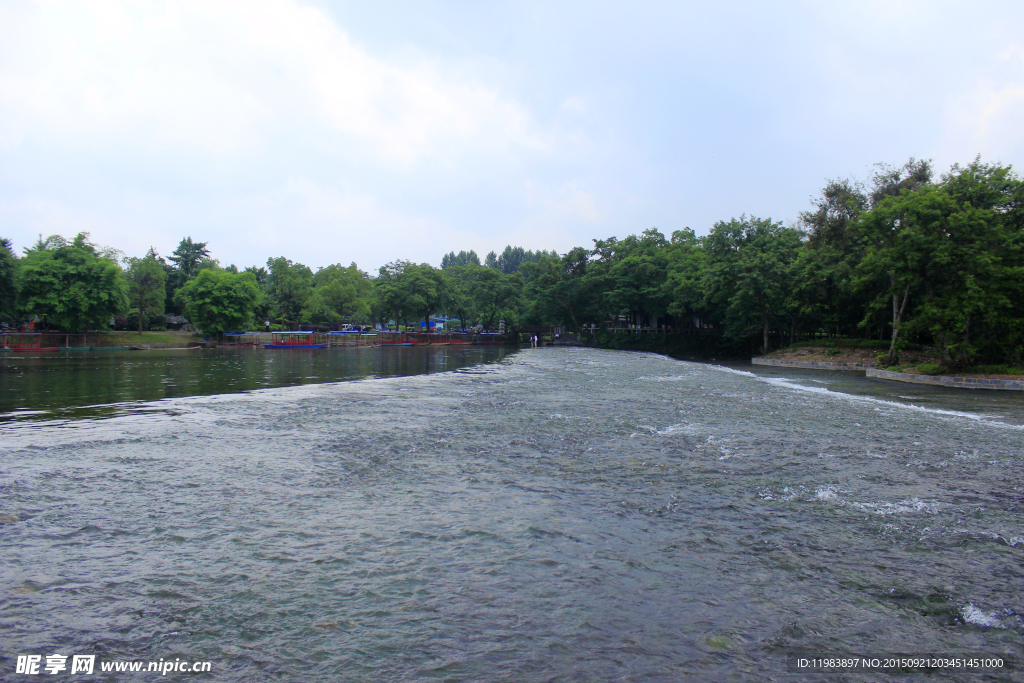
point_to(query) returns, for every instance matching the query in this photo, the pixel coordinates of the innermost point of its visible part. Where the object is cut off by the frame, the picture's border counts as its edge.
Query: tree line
(902, 257)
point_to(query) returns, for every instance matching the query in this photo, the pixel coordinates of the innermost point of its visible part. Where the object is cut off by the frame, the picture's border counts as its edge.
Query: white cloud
(229, 77)
(986, 118)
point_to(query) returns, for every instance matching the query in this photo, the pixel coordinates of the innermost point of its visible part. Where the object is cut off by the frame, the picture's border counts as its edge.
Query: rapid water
(559, 514)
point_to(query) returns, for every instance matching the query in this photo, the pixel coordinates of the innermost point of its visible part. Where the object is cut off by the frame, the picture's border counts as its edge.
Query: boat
(396, 339)
(241, 339)
(455, 338)
(349, 338)
(293, 340)
(415, 339)
(25, 341)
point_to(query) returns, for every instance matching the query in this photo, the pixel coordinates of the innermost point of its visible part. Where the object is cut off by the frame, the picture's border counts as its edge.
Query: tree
(890, 181)
(749, 268)
(559, 288)
(826, 290)
(189, 256)
(407, 290)
(494, 291)
(217, 301)
(957, 249)
(72, 286)
(289, 285)
(683, 283)
(339, 292)
(637, 271)
(463, 258)
(146, 285)
(8, 280)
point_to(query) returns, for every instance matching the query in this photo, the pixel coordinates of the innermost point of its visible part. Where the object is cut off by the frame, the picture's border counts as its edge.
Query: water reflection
(106, 384)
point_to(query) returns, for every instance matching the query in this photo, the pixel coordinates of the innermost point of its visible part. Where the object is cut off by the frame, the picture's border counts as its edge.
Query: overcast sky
(332, 132)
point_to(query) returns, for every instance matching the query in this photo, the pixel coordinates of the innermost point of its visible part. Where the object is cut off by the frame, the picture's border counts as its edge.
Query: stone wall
(947, 381)
(810, 365)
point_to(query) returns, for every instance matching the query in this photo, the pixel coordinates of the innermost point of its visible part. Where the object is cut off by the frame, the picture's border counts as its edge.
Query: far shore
(908, 363)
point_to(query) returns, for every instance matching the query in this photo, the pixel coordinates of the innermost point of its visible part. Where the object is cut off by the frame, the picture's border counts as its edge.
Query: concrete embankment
(810, 364)
(948, 381)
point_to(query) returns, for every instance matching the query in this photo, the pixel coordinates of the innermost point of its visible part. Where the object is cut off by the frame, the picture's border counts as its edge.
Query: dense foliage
(902, 259)
(217, 301)
(71, 284)
(146, 287)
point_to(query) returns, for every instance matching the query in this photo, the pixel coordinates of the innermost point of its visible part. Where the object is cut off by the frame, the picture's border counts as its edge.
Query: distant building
(177, 322)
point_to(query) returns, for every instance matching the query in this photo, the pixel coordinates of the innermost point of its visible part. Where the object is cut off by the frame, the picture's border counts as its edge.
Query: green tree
(749, 268)
(8, 280)
(71, 285)
(463, 258)
(146, 285)
(289, 285)
(189, 256)
(825, 288)
(559, 289)
(186, 262)
(217, 301)
(409, 291)
(637, 272)
(684, 280)
(494, 291)
(956, 248)
(340, 292)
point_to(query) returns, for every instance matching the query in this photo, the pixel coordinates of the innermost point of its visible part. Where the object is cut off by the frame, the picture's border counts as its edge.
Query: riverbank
(919, 367)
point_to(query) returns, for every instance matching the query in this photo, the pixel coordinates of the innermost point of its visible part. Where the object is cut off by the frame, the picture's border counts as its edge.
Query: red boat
(396, 338)
(25, 341)
(293, 340)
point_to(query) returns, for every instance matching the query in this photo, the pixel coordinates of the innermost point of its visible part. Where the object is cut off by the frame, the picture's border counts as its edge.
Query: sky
(332, 132)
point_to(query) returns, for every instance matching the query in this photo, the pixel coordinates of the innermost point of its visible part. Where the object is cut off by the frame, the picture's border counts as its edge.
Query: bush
(151, 320)
(881, 344)
(995, 370)
(931, 369)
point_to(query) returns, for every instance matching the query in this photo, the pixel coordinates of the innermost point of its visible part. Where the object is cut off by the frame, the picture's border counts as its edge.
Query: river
(553, 514)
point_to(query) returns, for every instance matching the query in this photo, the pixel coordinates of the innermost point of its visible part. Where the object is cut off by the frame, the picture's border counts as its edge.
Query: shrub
(996, 370)
(931, 369)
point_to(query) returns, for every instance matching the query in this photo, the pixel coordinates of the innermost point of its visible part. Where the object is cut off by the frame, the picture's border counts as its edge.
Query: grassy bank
(159, 337)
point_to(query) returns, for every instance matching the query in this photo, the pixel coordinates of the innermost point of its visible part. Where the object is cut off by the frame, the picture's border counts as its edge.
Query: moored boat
(241, 339)
(24, 341)
(395, 338)
(293, 340)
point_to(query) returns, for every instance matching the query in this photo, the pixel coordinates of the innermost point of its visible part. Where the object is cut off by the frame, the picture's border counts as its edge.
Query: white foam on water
(912, 505)
(826, 493)
(976, 616)
(666, 378)
(789, 384)
(722, 368)
(682, 428)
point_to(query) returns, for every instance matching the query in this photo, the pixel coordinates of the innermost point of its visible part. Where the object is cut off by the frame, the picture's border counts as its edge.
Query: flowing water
(37, 386)
(555, 514)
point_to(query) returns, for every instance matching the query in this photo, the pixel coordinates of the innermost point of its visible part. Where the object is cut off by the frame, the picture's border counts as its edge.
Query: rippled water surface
(559, 514)
(38, 386)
